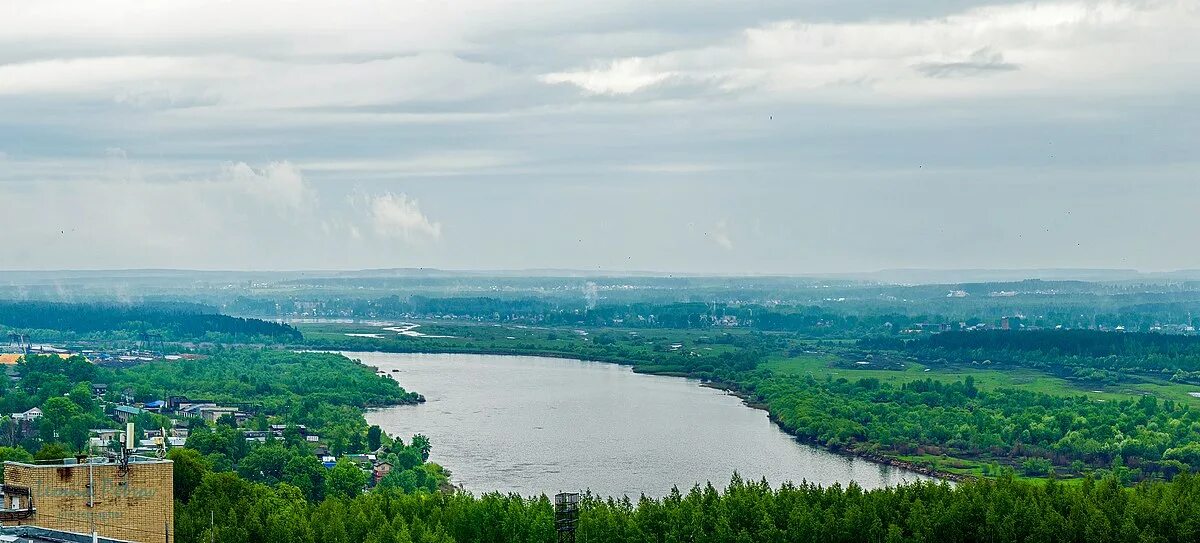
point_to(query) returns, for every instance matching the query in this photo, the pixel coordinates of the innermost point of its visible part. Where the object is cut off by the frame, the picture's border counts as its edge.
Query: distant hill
(918, 276)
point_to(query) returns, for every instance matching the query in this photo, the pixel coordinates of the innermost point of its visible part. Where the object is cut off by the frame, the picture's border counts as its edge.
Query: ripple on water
(540, 425)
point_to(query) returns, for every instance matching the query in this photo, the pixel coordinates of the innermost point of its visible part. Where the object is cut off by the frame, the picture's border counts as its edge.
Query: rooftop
(94, 460)
(34, 534)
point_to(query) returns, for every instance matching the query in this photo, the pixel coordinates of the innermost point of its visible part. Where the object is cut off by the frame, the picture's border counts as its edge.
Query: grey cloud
(982, 62)
(842, 125)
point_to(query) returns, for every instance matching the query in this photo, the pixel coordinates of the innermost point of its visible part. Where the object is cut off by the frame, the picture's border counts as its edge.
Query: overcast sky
(789, 136)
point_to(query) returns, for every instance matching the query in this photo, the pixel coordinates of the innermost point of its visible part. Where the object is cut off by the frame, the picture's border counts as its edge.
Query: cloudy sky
(785, 136)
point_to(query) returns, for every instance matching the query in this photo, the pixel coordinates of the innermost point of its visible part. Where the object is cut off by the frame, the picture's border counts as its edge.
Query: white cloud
(218, 220)
(279, 184)
(1039, 47)
(435, 164)
(720, 235)
(621, 76)
(241, 83)
(396, 216)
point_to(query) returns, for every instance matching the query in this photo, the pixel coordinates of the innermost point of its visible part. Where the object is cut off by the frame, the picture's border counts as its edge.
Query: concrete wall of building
(137, 505)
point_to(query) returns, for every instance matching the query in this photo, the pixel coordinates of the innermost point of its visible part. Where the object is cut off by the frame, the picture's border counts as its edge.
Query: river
(535, 425)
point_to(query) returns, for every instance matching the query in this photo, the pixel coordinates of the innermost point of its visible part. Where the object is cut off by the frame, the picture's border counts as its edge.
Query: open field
(820, 365)
(637, 346)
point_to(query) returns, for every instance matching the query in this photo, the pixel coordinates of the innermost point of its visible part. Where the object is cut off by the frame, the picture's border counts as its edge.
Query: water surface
(543, 425)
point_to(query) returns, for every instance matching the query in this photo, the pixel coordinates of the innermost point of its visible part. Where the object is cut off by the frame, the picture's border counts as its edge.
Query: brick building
(130, 503)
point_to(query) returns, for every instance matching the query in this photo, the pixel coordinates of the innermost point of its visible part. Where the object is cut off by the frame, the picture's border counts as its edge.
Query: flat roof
(95, 461)
(37, 534)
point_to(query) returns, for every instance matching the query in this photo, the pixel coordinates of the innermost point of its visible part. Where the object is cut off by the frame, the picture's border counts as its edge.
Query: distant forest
(1130, 351)
(173, 321)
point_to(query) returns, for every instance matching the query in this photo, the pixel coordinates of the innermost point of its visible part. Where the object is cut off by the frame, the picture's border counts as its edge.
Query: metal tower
(566, 516)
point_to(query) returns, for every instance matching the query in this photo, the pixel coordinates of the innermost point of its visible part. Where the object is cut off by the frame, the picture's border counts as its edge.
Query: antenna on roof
(566, 515)
(127, 448)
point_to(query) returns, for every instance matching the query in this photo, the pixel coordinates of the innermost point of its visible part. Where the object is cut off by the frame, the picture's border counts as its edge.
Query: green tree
(374, 437)
(52, 452)
(265, 463)
(189, 469)
(1036, 467)
(13, 454)
(345, 479)
(306, 473)
(63, 420)
(81, 395)
(422, 445)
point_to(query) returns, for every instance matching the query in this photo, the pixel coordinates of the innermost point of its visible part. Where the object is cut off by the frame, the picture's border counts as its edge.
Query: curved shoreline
(725, 387)
(868, 456)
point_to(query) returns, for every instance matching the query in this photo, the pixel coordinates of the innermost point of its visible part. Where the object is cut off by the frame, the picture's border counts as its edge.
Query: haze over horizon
(794, 138)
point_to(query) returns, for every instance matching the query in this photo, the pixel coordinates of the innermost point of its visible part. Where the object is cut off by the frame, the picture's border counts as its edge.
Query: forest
(1039, 434)
(1001, 510)
(1129, 351)
(171, 321)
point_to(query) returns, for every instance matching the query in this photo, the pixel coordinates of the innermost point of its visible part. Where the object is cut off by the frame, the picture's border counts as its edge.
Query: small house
(381, 470)
(30, 415)
(126, 413)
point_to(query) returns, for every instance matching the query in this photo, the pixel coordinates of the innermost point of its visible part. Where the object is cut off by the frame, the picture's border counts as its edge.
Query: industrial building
(127, 500)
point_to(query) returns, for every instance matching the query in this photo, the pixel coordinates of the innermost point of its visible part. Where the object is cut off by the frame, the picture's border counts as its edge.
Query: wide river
(544, 425)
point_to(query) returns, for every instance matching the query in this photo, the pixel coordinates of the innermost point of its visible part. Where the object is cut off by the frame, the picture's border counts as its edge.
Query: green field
(633, 347)
(637, 346)
(820, 365)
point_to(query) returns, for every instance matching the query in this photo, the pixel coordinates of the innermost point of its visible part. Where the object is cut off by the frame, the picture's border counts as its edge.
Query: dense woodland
(1039, 433)
(1049, 349)
(170, 322)
(999, 511)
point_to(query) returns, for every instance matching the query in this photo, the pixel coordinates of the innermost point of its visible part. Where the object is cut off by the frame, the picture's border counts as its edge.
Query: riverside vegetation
(1007, 420)
(962, 411)
(1001, 510)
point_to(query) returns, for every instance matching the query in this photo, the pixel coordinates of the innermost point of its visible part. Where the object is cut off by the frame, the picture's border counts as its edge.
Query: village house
(103, 437)
(30, 415)
(381, 470)
(126, 413)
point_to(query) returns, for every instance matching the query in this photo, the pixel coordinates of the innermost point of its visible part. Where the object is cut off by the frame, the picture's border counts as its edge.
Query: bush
(1036, 467)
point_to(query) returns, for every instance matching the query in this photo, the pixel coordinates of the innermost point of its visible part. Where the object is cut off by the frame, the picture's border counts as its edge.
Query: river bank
(741, 400)
(869, 456)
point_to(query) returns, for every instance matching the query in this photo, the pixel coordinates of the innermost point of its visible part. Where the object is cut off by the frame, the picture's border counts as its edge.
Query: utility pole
(92, 501)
